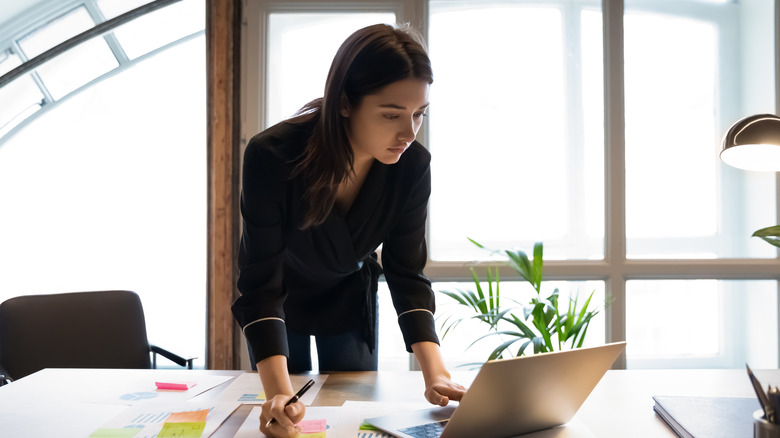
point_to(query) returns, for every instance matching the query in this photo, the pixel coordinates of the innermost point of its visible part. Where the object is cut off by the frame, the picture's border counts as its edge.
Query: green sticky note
(366, 426)
(125, 432)
(182, 430)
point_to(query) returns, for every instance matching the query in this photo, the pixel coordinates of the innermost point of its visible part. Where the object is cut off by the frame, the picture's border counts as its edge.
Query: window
(522, 164)
(103, 164)
(619, 178)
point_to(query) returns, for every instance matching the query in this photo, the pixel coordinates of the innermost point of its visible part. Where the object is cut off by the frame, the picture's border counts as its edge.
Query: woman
(320, 193)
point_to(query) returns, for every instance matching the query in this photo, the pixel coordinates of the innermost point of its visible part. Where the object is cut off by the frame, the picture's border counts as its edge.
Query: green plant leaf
(481, 301)
(539, 345)
(457, 297)
(771, 235)
(585, 306)
(538, 265)
(499, 351)
(521, 350)
(479, 245)
(515, 335)
(517, 322)
(519, 262)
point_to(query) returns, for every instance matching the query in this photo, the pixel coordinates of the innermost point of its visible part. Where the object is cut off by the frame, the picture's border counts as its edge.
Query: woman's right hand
(285, 417)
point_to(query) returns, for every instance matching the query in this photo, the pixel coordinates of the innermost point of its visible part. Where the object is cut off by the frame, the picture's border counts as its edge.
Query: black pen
(763, 400)
(294, 399)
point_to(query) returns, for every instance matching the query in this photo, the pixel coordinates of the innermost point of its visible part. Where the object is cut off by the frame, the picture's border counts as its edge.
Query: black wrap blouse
(323, 280)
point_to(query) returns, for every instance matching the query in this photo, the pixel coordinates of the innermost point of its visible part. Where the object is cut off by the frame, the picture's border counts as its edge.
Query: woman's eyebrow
(399, 107)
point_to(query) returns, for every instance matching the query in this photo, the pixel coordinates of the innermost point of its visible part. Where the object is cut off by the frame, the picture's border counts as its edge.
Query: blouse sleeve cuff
(266, 337)
(417, 325)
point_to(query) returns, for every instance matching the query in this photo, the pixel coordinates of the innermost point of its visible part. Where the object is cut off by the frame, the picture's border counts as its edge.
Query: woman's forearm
(439, 389)
(274, 375)
(431, 362)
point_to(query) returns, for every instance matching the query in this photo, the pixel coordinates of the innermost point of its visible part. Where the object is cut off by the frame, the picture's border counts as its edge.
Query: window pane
(391, 347)
(680, 84)
(8, 62)
(77, 66)
(701, 323)
(508, 129)
(455, 344)
(114, 8)
(301, 47)
(53, 33)
(161, 27)
(107, 190)
(21, 98)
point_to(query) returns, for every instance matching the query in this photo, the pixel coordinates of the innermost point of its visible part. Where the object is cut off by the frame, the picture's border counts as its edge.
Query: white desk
(620, 406)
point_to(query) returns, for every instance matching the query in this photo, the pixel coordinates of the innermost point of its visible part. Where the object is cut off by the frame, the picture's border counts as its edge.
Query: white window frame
(615, 269)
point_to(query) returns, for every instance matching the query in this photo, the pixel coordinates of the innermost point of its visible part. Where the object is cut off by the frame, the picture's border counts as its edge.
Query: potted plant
(543, 322)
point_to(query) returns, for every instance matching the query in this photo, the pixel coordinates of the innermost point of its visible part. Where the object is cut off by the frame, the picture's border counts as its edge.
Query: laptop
(511, 397)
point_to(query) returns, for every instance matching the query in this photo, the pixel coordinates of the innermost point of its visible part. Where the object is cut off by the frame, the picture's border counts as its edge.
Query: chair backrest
(104, 329)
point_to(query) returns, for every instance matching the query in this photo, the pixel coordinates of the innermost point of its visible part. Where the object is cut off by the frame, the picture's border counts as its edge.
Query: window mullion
(113, 43)
(47, 97)
(614, 166)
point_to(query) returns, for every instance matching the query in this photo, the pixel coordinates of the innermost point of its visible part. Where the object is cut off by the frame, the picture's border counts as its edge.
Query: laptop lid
(519, 395)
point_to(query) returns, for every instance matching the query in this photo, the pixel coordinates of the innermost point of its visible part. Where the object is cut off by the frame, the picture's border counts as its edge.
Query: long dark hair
(368, 60)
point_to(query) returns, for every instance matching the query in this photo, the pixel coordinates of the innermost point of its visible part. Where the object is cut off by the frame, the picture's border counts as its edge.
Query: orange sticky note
(177, 386)
(188, 417)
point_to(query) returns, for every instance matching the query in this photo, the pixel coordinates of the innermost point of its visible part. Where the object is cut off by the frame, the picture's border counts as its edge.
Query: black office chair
(104, 329)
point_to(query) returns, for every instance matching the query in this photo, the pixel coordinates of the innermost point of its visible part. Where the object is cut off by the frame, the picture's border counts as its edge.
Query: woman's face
(384, 124)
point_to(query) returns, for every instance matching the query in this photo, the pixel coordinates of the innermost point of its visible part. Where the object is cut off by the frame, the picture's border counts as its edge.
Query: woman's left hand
(441, 390)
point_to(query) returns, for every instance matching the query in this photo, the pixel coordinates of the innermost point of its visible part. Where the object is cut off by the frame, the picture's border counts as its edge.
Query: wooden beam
(222, 58)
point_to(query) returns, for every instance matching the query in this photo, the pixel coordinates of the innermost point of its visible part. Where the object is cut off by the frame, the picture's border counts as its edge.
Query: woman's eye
(391, 116)
(420, 115)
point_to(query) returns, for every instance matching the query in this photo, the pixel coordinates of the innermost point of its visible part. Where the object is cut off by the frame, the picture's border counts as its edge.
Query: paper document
(247, 389)
(161, 421)
(110, 386)
(320, 422)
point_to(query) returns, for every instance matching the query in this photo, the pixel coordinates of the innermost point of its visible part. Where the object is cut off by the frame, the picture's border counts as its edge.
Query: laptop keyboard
(429, 430)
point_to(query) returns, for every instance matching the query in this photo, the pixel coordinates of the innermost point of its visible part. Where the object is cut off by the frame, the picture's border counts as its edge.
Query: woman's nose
(409, 132)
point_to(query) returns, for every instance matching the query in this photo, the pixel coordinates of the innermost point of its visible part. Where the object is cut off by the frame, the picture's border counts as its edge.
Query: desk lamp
(753, 143)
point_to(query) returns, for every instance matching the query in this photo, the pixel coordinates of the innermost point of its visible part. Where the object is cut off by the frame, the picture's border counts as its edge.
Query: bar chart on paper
(147, 423)
(167, 421)
(372, 434)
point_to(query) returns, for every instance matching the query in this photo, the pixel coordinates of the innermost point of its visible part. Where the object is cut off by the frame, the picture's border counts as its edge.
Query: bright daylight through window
(516, 129)
(540, 130)
(103, 163)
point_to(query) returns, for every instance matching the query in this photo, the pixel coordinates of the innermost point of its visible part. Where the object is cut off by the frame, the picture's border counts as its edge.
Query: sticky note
(366, 426)
(312, 426)
(188, 416)
(182, 430)
(129, 432)
(260, 396)
(189, 424)
(314, 435)
(176, 386)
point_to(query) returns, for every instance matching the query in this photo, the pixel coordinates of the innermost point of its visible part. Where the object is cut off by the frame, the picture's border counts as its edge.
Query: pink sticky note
(312, 426)
(177, 386)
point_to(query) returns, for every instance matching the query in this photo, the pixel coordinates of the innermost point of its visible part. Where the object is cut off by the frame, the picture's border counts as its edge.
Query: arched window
(103, 157)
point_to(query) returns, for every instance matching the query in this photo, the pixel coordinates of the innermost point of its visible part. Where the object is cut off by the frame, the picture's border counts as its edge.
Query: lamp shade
(753, 143)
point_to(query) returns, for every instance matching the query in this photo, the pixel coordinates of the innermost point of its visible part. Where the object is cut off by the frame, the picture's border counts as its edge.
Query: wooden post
(223, 66)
